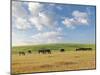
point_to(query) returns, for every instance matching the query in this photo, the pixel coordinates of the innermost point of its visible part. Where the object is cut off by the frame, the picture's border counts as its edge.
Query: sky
(43, 23)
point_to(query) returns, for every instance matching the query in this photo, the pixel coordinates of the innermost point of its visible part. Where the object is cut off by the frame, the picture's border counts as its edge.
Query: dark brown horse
(83, 49)
(44, 51)
(21, 53)
(29, 52)
(62, 50)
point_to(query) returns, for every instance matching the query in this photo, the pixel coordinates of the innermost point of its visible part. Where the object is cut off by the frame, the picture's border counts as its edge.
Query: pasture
(56, 61)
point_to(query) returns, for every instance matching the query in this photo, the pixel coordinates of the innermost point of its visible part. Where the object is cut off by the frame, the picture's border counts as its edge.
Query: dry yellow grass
(57, 61)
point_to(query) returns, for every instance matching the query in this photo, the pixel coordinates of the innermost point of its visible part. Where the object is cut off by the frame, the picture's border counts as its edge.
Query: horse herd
(41, 51)
(48, 51)
(23, 53)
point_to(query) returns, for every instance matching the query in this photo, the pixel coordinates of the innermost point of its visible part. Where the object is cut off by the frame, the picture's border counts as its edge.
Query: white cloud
(41, 21)
(68, 22)
(22, 23)
(78, 14)
(40, 38)
(78, 18)
(35, 8)
(18, 10)
(47, 37)
(39, 17)
(19, 16)
(59, 29)
(35, 16)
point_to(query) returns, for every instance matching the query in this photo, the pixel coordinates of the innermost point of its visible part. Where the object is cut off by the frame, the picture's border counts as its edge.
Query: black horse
(83, 49)
(29, 51)
(62, 50)
(44, 51)
(21, 53)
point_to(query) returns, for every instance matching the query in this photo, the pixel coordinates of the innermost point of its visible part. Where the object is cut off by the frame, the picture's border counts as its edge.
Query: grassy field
(57, 61)
(53, 47)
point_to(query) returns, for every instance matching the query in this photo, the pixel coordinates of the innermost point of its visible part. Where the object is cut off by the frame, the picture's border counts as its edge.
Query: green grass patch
(55, 47)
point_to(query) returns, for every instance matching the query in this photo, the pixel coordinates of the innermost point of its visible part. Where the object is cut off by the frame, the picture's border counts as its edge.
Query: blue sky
(42, 23)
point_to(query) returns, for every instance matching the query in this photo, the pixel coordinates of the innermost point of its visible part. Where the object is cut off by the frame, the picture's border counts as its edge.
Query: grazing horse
(21, 53)
(83, 49)
(62, 50)
(29, 51)
(44, 51)
(40, 51)
(48, 51)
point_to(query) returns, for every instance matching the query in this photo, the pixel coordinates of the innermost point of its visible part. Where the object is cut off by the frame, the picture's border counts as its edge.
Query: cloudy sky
(42, 23)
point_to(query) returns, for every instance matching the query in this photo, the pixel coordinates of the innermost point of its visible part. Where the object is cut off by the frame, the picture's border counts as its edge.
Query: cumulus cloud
(35, 8)
(39, 18)
(59, 29)
(41, 21)
(18, 10)
(47, 37)
(45, 23)
(22, 23)
(68, 22)
(78, 18)
(39, 38)
(19, 16)
(33, 15)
